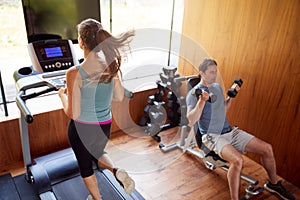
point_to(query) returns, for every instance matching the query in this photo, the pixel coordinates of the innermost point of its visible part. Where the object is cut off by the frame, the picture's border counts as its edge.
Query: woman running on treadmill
(90, 89)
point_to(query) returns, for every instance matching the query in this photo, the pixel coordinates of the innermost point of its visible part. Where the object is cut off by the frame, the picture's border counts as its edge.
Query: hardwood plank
(182, 176)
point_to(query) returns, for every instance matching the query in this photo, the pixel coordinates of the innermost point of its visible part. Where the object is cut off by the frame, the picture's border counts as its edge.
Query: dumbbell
(152, 129)
(171, 96)
(237, 83)
(197, 92)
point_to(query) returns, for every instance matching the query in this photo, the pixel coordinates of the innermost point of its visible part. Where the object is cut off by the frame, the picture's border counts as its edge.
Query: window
(13, 44)
(150, 49)
(152, 21)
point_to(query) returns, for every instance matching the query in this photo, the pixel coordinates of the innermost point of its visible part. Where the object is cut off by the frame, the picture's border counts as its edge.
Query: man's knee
(267, 150)
(237, 161)
(234, 157)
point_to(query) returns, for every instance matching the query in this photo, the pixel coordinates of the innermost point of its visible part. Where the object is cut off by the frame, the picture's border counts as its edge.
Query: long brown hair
(98, 40)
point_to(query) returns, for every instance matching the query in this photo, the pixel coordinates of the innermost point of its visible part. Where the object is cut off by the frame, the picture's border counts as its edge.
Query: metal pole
(110, 15)
(171, 31)
(25, 141)
(3, 96)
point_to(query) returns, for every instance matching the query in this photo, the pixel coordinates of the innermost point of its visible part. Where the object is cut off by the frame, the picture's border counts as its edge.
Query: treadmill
(55, 176)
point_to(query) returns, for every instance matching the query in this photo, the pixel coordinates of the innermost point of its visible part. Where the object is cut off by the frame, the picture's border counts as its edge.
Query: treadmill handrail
(23, 108)
(22, 97)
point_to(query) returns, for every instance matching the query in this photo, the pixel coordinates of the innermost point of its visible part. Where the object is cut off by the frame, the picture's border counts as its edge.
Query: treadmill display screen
(53, 52)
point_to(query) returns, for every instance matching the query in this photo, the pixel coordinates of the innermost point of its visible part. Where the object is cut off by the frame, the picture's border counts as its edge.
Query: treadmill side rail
(47, 196)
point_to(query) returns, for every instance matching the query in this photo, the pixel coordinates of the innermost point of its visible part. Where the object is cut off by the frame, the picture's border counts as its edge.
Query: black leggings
(88, 142)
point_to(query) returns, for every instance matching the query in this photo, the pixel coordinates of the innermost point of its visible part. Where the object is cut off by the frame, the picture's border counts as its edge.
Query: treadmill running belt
(74, 189)
(71, 189)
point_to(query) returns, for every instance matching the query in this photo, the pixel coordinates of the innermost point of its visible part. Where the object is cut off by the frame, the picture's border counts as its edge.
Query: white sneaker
(89, 197)
(125, 181)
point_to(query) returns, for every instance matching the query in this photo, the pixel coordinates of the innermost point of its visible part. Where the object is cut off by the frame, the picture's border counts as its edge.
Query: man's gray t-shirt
(213, 118)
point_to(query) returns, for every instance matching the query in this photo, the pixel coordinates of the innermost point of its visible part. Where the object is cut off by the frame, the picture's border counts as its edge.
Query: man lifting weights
(227, 141)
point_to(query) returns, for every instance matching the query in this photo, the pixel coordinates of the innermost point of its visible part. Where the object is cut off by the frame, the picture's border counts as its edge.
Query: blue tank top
(95, 100)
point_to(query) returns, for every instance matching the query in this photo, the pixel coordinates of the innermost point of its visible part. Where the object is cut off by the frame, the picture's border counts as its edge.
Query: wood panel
(10, 142)
(126, 114)
(47, 134)
(258, 41)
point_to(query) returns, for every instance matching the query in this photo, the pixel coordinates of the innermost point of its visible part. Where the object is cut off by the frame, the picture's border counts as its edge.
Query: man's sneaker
(125, 181)
(89, 197)
(279, 189)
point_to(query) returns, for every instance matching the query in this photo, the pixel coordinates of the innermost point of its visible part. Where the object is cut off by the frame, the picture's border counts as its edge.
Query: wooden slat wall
(258, 41)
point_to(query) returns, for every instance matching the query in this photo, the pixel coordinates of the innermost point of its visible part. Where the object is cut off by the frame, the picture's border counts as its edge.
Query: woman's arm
(118, 93)
(70, 96)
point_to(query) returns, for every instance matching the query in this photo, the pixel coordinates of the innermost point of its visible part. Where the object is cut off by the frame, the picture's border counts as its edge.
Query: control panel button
(58, 64)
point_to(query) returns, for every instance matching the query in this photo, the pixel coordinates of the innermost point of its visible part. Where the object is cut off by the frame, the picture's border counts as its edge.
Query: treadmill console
(52, 55)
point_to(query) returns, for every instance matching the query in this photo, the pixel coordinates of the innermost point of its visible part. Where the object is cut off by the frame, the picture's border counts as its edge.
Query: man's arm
(227, 103)
(194, 114)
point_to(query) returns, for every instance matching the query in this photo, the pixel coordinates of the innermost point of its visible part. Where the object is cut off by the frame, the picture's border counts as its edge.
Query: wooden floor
(172, 175)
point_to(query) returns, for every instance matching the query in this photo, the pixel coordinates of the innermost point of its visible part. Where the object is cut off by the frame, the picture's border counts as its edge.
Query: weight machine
(161, 115)
(189, 139)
